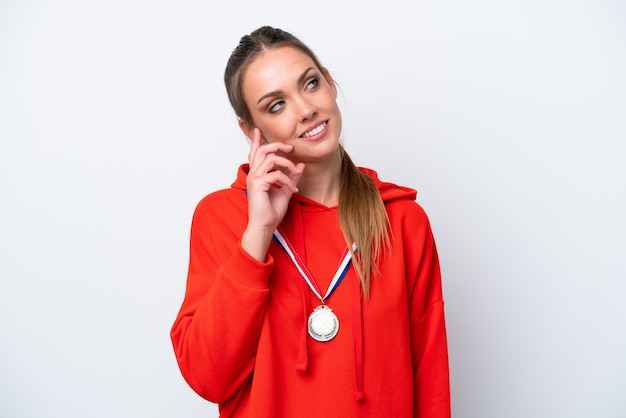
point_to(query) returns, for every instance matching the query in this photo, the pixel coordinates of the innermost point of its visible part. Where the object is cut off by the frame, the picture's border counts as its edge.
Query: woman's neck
(321, 181)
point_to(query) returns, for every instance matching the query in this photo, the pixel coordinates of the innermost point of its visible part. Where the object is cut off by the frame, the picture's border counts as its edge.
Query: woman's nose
(307, 110)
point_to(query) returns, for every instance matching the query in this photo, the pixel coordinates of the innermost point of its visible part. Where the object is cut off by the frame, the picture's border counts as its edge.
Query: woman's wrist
(256, 242)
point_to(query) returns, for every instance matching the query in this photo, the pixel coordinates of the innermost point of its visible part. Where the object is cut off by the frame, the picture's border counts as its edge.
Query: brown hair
(362, 215)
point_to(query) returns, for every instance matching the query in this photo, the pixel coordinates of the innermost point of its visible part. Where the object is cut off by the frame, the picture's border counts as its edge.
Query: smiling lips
(319, 128)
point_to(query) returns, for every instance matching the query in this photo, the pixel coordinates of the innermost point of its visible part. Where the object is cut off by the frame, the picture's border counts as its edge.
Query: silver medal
(323, 324)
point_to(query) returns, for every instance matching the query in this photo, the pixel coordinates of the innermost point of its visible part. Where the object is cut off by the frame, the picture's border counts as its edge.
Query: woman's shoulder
(407, 210)
(222, 200)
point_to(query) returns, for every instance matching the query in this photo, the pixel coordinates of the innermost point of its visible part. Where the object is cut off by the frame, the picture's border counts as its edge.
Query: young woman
(313, 288)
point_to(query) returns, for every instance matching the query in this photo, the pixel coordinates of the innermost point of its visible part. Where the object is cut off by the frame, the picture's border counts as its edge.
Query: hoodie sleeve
(216, 332)
(428, 330)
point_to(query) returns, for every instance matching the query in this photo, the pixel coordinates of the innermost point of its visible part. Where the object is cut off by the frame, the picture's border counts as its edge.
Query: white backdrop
(508, 117)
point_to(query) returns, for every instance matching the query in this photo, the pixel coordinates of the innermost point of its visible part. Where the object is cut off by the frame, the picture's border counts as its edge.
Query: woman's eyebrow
(277, 92)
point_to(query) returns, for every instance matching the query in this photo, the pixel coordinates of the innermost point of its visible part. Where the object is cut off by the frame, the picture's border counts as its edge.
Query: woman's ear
(246, 128)
(330, 81)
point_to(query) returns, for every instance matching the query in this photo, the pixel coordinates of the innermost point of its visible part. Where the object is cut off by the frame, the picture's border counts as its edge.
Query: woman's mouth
(319, 128)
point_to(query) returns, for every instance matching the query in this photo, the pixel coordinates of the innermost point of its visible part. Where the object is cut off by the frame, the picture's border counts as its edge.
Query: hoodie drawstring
(302, 364)
(357, 333)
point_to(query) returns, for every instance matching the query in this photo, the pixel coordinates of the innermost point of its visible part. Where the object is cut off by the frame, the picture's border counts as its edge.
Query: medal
(323, 324)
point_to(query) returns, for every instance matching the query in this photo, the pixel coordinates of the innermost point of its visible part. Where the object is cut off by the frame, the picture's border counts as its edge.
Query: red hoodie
(241, 338)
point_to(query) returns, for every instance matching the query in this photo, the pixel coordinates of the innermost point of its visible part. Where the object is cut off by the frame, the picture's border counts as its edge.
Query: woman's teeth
(319, 128)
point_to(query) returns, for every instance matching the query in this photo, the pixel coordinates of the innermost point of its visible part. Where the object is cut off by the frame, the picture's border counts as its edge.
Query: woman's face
(291, 101)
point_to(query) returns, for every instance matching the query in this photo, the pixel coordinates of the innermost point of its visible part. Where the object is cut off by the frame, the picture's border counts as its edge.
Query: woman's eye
(312, 83)
(275, 107)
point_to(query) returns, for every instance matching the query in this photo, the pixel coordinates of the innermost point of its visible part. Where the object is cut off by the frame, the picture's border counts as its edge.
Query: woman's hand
(271, 182)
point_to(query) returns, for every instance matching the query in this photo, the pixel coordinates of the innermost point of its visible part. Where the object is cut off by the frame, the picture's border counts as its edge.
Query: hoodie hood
(390, 191)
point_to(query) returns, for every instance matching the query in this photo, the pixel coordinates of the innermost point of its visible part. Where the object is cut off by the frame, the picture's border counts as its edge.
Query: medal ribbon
(308, 277)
